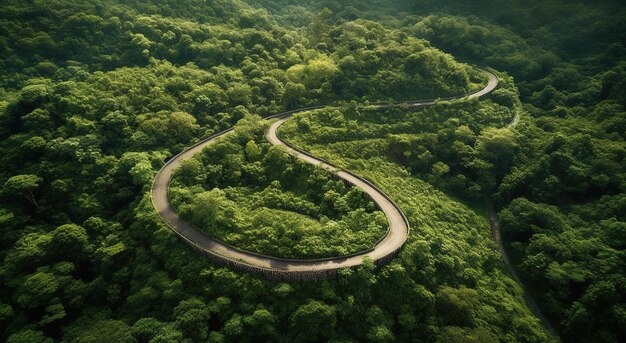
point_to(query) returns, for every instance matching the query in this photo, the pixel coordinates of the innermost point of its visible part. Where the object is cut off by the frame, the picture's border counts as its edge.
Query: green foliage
(100, 331)
(455, 334)
(96, 96)
(29, 336)
(168, 128)
(146, 328)
(22, 185)
(450, 243)
(458, 157)
(312, 321)
(271, 203)
(571, 258)
(191, 319)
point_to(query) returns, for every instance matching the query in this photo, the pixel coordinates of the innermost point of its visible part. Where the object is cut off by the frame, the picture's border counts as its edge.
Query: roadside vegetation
(96, 96)
(558, 176)
(255, 197)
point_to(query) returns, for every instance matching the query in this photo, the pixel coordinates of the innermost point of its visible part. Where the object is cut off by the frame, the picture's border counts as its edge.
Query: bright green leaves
(314, 73)
(22, 185)
(269, 203)
(99, 331)
(146, 328)
(70, 242)
(213, 211)
(252, 151)
(167, 127)
(37, 290)
(139, 168)
(496, 151)
(191, 319)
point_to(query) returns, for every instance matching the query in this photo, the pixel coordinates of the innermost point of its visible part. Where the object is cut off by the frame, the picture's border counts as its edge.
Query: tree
(114, 128)
(38, 120)
(261, 324)
(239, 94)
(192, 317)
(457, 306)
(70, 242)
(313, 321)
(190, 170)
(168, 334)
(142, 173)
(29, 252)
(455, 334)
(23, 184)
(100, 331)
(293, 96)
(318, 29)
(252, 150)
(29, 336)
(496, 150)
(314, 73)
(146, 328)
(213, 212)
(37, 290)
(380, 334)
(168, 128)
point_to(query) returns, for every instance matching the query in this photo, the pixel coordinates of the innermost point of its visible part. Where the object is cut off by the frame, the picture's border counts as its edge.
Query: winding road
(497, 237)
(288, 269)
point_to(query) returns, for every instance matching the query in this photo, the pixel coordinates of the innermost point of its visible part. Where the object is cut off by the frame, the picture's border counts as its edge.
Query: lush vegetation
(95, 96)
(559, 175)
(563, 198)
(450, 241)
(255, 197)
(444, 144)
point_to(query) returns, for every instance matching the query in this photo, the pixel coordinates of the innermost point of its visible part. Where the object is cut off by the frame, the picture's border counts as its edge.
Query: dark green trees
(23, 185)
(95, 96)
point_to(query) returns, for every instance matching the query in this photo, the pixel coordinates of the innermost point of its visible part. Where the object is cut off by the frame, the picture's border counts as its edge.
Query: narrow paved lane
(497, 236)
(278, 268)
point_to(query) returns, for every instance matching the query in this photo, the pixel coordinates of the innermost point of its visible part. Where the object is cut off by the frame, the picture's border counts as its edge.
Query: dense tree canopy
(557, 175)
(256, 198)
(96, 96)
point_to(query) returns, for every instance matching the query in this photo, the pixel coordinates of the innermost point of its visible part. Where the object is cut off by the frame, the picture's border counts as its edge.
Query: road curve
(278, 268)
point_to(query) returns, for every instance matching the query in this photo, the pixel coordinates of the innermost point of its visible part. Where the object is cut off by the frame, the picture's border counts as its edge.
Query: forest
(259, 199)
(96, 96)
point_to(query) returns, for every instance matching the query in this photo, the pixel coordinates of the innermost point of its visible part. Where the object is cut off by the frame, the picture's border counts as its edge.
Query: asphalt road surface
(395, 237)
